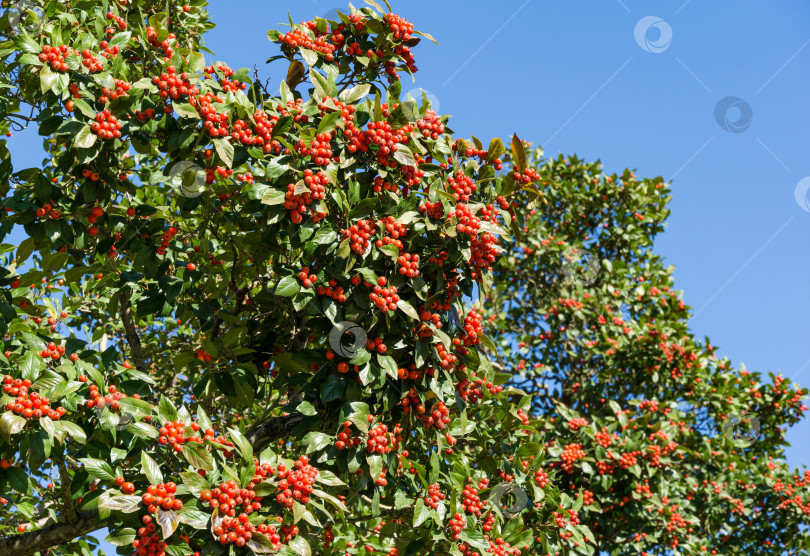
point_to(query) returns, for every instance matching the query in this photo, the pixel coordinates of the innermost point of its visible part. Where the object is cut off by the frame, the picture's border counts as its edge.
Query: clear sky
(643, 85)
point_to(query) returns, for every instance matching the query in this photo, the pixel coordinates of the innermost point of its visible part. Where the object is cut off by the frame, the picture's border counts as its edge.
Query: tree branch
(134, 341)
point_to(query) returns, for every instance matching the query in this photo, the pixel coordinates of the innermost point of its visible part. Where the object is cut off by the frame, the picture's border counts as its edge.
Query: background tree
(673, 450)
(236, 322)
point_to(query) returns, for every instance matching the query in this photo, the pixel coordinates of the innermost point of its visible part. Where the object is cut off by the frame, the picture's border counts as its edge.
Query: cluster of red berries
(468, 223)
(235, 530)
(120, 22)
(484, 251)
(173, 433)
(321, 151)
(448, 360)
(408, 265)
(56, 56)
(470, 501)
(28, 404)
(106, 126)
(148, 541)
(359, 235)
(298, 38)
(434, 496)
(433, 210)
(376, 345)
(457, 524)
(47, 209)
(307, 280)
(165, 44)
(576, 423)
(120, 90)
(430, 126)
(400, 27)
(160, 495)
(345, 439)
(168, 236)
(111, 400)
(413, 373)
(52, 351)
(215, 124)
(384, 298)
(386, 138)
(298, 203)
(570, 455)
(461, 187)
(332, 290)
(224, 79)
(438, 417)
(380, 184)
(542, 478)
(228, 496)
(173, 85)
(472, 328)
(295, 484)
(381, 441)
(411, 401)
(529, 175)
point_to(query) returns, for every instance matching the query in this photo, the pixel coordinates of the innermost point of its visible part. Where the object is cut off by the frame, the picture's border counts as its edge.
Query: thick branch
(52, 535)
(134, 341)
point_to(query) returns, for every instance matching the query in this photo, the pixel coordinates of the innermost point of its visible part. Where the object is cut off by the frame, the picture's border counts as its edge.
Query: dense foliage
(672, 448)
(242, 327)
(248, 321)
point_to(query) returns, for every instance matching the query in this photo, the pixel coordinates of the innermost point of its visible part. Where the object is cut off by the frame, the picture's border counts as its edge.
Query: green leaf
(329, 122)
(518, 153)
(420, 512)
(273, 197)
(74, 430)
(85, 138)
(495, 149)
(224, 149)
(47, 78)
(241, 442)
(198, 456)
(316, 441)
(151, 469)
(407, 309)
(122, 537)
(193, 517)
(98, 469)
(288, 286)
(11, 424)
(351, 96)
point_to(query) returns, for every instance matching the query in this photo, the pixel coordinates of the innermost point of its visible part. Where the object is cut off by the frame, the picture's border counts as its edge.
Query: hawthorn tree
(239, 321)
(673, 450)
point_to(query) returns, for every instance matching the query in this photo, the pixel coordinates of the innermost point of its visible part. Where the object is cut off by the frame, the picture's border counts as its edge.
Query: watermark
(413, 99)
(509, 498)
(802, 193)
(585, 269)
(653, 34)
(111, 415)
(187, 178)
(742, 430)
(733, 114)
(25, 17)
(339, 338)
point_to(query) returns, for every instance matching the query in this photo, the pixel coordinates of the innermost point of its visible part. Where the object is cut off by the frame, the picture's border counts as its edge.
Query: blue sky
(578, 77)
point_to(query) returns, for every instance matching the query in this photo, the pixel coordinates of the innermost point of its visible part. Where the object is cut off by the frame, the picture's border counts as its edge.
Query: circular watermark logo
(584, 269)
(111, 415)
(187, 178)
(510, 499)
(415, 98)
(347, 338)
(733, 114)
(25, 17)
(802, 193)
(742, 430)
(653, 34)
